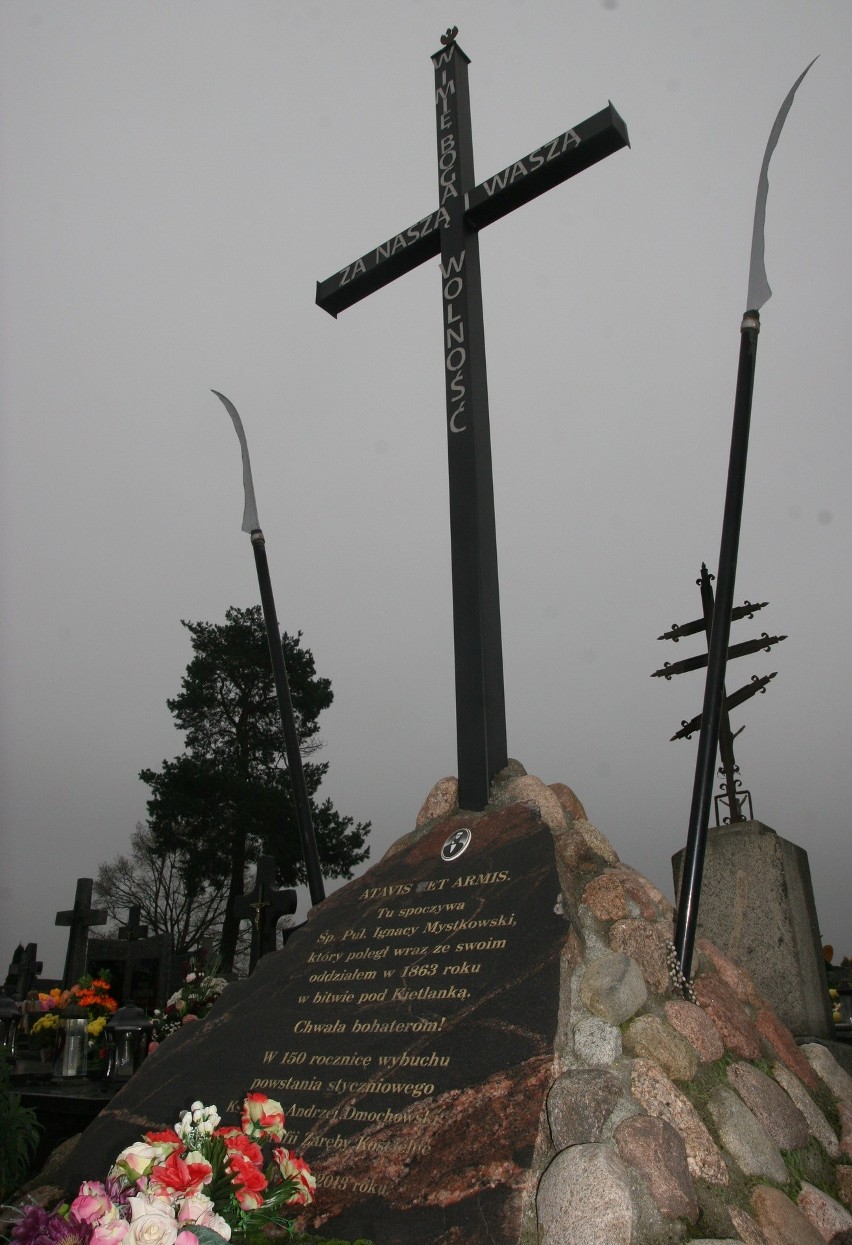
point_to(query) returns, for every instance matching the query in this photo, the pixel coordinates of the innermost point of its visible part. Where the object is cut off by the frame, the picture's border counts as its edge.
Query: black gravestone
(140, 968)
(408, 1032)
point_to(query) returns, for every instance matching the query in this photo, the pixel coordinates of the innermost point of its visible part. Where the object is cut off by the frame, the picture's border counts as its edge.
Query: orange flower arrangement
(93, 992)
(90, 993)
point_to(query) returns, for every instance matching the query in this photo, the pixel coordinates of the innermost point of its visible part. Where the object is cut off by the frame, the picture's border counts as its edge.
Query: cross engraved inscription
(451, 231)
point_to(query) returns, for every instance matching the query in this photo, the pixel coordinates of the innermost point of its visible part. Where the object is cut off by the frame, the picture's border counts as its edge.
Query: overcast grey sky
(177, 176)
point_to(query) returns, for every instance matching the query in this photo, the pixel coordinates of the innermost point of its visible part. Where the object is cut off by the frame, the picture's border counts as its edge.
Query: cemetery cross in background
(264, 906)
(452, 232)
(79, 919)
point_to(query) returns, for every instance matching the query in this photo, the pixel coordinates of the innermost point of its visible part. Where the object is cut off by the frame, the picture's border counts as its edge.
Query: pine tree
(227, 799)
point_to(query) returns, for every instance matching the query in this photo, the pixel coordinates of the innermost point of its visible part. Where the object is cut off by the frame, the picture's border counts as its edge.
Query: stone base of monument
(477, 1043)
(757, 905)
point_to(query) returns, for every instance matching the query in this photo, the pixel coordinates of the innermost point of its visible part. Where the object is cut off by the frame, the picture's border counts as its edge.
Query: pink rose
(193, 1208)
(198, 1210)
(186, 1238)
(93, 1204)
(112, 1233)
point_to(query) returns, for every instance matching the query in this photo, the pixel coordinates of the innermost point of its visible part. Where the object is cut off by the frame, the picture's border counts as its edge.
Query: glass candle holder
(10, 1018)
(69, 1059)
(128, 1034)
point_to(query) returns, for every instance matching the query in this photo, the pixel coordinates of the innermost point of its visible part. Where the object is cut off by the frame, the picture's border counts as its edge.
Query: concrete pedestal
(757, 905)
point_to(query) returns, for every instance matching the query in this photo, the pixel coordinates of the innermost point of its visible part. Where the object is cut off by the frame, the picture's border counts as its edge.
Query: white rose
(154, 1228)
(149, 1204)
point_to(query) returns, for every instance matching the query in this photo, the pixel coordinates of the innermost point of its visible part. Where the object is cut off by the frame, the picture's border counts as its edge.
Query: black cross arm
(379, 267)
(95, 916)
(745, 649)
(730, 702)
(678, 631)
(567, 154)
(283, 902)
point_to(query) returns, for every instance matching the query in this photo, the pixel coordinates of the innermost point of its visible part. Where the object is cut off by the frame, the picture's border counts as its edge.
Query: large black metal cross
(452, 231)
(79, 918)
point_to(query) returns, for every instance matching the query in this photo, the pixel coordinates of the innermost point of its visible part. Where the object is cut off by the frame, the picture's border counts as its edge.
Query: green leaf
(206, 1236)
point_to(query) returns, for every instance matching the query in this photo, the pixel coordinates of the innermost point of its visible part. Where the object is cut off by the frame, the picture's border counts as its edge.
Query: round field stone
(612, 987)
(584, 1199)
(733, 976)
(597, 1043)
(781, 1220)
(829, 1218)
(579, 1104)
(652, 1038)
(768, 1102)
(697, 1027)
(651, 1088)
(440, 802)
(783, 1043)
(569, 801)
(818, 1125)
(605, 896)
(645, 942)
(829, 1070)
(656, 1151)
(745, 1138)
(729, 1016)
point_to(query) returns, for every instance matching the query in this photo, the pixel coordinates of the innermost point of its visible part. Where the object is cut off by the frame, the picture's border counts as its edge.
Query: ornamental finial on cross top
(450, 37)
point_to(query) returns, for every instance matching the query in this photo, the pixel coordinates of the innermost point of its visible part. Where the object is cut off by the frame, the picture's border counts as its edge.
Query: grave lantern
(128, 1034)
(72, 1038)
(10, 1018)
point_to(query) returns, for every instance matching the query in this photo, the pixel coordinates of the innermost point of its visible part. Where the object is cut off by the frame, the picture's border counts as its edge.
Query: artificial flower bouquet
(196, 1184)
(200, 989)
(90, 993)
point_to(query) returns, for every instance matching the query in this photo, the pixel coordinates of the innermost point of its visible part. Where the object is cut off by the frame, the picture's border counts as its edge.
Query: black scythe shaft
(702, 791)
(288, 722)
(726, 738)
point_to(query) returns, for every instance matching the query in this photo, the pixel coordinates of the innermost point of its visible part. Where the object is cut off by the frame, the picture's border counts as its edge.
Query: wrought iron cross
(79, 918)
(451, 231)
(264, 906)
(732, 794)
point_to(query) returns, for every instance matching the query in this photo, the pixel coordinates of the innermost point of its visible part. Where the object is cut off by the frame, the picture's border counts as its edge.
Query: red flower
(262, 1117)
(236, 1142)
(167, 1137)
(296, 1169)
(176, 1176)
(249, 1182)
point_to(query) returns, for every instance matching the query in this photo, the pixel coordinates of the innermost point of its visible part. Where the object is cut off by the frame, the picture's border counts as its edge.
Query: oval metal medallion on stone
(456, 844)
